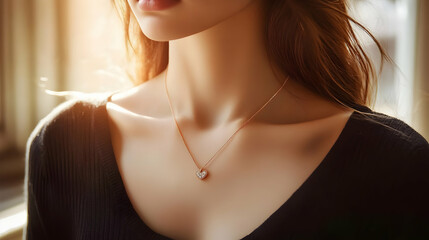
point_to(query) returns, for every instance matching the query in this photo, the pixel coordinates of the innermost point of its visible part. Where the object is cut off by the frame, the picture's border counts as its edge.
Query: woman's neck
(221, 74)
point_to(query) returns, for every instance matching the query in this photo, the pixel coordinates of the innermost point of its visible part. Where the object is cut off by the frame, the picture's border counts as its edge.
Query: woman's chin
(159, 33)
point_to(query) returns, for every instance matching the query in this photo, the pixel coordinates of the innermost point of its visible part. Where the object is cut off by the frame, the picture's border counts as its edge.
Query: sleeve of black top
(41, 218)
(416, 225)
(421, 153)
(36, 227)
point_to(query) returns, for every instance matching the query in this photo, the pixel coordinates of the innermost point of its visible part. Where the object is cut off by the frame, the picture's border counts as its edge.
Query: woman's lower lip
(156, 5)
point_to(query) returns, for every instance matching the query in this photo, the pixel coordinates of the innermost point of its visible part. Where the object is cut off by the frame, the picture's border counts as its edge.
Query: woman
(249, 120)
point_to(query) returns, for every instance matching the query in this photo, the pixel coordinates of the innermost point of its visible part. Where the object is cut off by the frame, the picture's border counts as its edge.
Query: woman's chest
(247, 182)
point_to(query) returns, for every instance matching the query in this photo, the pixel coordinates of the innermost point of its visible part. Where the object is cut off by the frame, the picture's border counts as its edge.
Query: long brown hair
(311, 41)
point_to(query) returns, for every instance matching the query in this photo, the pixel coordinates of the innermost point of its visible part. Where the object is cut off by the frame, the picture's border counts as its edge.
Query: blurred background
(77, 45)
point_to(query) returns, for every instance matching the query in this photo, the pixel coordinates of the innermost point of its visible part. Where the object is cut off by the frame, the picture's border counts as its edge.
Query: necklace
(202, 172)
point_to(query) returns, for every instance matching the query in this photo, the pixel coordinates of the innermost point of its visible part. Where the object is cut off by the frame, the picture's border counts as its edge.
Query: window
(393, 22)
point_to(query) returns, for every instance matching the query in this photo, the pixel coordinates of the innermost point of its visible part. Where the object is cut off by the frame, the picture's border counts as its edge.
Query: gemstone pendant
(202, 174)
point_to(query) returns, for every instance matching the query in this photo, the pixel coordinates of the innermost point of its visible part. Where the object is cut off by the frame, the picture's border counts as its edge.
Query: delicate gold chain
(229, 139)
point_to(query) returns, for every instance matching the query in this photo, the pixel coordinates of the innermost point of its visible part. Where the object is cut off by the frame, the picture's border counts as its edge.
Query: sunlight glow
(12, 219)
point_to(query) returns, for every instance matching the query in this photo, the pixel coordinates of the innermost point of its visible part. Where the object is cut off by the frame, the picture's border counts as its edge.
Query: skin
(218, 76)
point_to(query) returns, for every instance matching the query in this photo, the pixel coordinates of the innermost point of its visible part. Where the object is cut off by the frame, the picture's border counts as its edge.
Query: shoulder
(73, 110)
(60, 158)
(388, 156)
(385, 135)
(389, 161)
(66, 120)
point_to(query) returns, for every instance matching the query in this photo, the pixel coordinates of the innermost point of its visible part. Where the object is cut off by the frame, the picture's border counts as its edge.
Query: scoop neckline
(109, 160)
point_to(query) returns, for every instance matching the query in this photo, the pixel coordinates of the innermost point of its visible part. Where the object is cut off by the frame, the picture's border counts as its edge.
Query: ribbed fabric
(373, 183)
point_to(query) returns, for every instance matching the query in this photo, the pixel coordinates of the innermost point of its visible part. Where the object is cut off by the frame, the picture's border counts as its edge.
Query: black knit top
(373, 183)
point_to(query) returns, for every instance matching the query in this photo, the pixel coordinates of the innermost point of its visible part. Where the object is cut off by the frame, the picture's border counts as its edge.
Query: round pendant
(202, 174)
